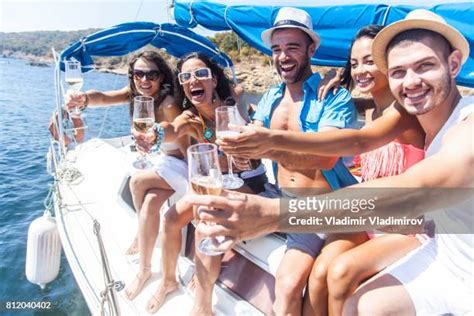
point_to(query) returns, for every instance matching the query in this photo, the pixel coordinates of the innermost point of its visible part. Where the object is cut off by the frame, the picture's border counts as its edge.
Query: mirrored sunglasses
(150, 75)
(199, 74)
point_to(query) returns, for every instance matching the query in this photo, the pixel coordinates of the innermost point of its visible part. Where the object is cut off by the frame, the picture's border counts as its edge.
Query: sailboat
(90, 193)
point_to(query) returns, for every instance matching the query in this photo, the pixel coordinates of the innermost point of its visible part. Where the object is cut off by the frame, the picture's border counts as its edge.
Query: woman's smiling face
(145, 86)
(198, 91)
(364, 72)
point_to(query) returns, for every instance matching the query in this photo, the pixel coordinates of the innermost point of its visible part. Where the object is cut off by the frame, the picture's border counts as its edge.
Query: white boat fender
(43, 252)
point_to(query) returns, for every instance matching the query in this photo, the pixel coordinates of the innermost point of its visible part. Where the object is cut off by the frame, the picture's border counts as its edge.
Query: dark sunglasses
(152, 75)
(199, 74)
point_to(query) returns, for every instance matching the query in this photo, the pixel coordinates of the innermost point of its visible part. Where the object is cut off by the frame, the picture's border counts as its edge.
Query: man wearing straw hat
(294, 105)
(421, 55)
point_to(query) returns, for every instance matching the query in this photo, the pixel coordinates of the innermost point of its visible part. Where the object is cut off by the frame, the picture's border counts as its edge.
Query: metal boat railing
(60, 168)
(59, 108)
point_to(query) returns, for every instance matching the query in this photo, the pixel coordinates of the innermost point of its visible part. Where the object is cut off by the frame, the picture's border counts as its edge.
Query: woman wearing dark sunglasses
(149, 75)
(202, 87)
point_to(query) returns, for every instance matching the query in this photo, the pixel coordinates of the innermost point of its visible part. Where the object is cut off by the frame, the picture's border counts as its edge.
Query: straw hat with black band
(417, 19)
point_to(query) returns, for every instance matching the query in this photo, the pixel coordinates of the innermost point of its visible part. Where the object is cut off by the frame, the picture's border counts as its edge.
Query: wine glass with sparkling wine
(206, 178)
(226, 115)
(143, 120)
(74, 78)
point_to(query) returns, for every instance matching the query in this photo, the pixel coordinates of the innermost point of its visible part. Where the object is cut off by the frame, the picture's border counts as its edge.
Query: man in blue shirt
(294, 105)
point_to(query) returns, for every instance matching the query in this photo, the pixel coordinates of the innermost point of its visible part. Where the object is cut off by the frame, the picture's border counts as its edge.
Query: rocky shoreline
(255, 75)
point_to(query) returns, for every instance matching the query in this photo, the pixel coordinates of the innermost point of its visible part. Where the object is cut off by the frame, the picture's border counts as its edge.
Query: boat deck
(105, 168)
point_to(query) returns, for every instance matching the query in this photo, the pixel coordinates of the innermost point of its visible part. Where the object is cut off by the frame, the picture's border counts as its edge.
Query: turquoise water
(26, 103)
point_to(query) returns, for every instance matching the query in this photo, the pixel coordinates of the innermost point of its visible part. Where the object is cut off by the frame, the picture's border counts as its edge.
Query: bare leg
(207, 272)
(348, 270)
(140, 184)
(174, 220)
(148, 227)
(384, 295)
(316, 297)
(291, 278)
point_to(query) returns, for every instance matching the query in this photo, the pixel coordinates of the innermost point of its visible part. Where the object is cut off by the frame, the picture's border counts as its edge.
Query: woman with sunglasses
(203, 87)
(149, 75)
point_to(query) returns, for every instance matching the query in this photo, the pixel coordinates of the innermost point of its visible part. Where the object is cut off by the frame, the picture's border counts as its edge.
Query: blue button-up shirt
(335, 110)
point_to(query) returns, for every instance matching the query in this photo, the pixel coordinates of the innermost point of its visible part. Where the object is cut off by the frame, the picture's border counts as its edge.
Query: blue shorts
(308, 243)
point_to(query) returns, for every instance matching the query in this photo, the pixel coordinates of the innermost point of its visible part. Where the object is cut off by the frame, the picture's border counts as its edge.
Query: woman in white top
(149, 75)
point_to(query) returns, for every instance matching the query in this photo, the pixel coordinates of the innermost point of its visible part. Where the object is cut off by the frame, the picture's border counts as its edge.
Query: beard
(299, 72)
(442, 93)
(439, 93)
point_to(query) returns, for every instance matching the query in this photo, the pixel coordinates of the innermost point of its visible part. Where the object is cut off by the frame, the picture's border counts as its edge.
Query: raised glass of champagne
(206, 178)
(73, 78)
(226, 115)
(143, 120)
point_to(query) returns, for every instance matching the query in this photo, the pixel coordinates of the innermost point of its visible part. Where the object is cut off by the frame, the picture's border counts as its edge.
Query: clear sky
(66, 15)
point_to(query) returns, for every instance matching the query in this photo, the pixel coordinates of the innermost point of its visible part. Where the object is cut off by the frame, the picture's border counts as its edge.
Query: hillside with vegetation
(37, 44)
(253, 69)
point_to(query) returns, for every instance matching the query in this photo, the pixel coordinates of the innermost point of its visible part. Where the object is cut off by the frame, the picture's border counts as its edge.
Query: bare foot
(159, 297)
(137, 285)
(198, 310)
(133, 249)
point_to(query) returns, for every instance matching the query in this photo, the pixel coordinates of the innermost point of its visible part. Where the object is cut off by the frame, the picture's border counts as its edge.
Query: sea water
(26, 103)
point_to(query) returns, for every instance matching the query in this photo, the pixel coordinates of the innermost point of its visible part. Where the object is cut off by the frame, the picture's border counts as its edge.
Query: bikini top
(389, 160)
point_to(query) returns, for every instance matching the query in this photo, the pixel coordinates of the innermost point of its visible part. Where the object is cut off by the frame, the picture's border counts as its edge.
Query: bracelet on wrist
(154, 149)
(160, 135)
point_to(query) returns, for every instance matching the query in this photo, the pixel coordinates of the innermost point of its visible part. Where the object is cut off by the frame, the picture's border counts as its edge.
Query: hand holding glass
(206, 178)
(143, 120)
(226, 115)
(73, 78)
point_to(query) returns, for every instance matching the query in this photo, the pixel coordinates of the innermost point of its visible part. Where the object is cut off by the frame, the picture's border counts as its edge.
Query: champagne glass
(206, 178)
(226, 115)
(143, 120)
(73, 79)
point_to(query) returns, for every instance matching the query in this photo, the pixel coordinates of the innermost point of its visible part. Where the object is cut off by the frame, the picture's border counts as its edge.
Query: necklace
(206, 131)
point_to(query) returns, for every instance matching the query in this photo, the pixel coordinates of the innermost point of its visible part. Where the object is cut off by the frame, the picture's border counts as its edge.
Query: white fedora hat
(292, 18)
(417, 19)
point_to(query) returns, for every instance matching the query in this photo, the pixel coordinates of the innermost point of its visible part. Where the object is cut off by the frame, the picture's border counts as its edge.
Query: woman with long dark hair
(202, 87)
(149, 75)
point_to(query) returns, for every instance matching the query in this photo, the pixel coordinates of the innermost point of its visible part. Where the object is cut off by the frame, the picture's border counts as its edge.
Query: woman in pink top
(348, 259)
(391, 141)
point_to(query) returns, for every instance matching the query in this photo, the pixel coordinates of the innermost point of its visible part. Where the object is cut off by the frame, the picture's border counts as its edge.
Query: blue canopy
(124, 38)
(336, 24)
